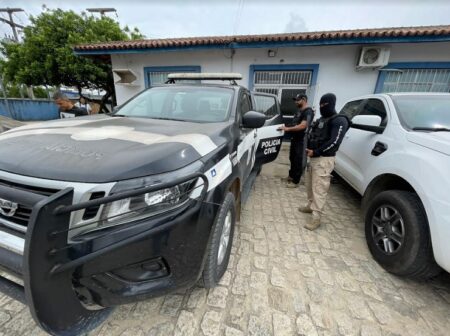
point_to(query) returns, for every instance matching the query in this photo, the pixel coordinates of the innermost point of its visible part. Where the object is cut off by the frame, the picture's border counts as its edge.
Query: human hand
(309, 152)
(282, 128)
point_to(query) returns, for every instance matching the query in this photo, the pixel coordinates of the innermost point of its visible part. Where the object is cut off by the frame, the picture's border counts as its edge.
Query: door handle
(379, 148)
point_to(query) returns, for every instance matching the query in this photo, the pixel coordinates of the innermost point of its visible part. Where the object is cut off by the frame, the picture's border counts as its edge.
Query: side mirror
(370, 123)
(253, 119)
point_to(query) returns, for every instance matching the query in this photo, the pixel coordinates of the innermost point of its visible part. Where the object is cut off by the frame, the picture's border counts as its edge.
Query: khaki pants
(317, 181)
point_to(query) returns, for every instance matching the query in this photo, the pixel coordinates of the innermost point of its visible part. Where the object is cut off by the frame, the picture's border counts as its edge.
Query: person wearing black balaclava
(324, 139)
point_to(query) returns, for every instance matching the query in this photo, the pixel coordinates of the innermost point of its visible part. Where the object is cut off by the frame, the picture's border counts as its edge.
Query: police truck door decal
(269, 139)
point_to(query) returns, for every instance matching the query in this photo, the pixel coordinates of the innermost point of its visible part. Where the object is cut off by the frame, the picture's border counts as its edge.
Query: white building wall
(337, 72)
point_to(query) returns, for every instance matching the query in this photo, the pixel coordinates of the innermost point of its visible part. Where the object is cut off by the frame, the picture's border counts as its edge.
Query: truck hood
(438, 141)
(102, 149)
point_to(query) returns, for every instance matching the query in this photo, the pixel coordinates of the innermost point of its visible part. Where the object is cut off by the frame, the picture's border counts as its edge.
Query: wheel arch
(385, 182)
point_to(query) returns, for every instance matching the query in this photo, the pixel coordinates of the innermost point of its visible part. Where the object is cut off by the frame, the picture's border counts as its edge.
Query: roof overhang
(349, 37)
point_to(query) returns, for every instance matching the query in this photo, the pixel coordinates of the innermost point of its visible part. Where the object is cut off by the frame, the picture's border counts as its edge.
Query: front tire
(398, 236)
(219, 247)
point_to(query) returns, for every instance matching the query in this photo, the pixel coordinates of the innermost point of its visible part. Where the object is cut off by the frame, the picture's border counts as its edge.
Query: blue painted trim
(407, 65)
(181, 68)
(283, 67)
(271, 44)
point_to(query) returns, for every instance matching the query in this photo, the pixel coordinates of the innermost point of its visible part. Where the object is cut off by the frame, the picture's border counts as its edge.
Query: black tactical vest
(320, 132)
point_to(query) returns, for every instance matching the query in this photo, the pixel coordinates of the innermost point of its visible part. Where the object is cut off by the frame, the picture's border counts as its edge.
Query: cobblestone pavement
(284, 280)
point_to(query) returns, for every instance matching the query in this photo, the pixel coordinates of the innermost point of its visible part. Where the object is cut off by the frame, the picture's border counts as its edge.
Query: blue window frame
(158, 75)
(414, 77)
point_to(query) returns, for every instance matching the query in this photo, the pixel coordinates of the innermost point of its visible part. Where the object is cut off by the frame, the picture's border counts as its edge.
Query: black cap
(300, 96)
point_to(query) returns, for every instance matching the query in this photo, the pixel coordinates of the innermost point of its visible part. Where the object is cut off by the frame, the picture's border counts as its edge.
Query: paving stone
(210, 325)
(320, 263)
(133, 331)
(304, 258)
(326, 277)
(371, 290)
(308, 271)
(321, 316)
(383, 313)
(347, 282)
(282, 325)
(240, 285)
(197, 298)
(233, 332)
(226, 279)
(171, 305)
(238, 313)
(280, 299)
(185, 325)
(259, 233)
(277, 278)
(260, 262)
(345, 323)
(243, 266)
(359, 309)
(370, 329)
(217, 297)
(305, 326)
(162, 329)
(258, 327)
(258, 280)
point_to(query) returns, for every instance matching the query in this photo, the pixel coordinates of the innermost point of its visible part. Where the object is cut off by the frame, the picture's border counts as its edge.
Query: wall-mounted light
(272, 53)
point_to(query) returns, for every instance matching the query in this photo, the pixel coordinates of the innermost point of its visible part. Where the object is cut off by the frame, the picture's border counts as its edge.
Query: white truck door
(363, 148)
(346, 165)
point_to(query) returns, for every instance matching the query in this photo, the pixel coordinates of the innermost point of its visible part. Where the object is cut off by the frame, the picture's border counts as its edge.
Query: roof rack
(232, 77)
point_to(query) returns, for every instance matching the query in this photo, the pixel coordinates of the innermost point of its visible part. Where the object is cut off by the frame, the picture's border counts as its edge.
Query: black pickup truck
(104, 210)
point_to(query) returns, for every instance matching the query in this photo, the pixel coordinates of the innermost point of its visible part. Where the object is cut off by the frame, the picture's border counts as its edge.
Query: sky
(177, 18)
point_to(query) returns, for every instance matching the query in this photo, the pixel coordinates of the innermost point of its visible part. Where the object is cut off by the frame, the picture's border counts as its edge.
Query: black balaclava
(328, 110)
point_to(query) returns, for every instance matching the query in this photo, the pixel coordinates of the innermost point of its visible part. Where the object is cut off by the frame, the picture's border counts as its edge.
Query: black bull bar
(47, 264)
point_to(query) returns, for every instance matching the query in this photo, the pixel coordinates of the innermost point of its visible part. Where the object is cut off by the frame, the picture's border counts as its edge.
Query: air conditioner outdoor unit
(373, 57)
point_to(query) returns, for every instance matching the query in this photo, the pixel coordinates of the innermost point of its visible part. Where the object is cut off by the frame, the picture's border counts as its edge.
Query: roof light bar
(206, 76)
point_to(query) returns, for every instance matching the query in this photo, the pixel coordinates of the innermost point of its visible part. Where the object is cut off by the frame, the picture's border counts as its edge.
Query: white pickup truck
(397, 155)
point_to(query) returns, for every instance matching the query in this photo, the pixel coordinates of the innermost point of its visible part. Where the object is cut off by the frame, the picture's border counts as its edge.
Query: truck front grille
(19, 221)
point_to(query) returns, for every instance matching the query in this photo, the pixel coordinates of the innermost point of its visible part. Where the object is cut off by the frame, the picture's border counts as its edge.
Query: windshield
(181, 103)
(424, 112)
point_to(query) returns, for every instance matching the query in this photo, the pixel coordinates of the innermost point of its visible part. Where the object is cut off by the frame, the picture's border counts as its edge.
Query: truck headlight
(145, 205)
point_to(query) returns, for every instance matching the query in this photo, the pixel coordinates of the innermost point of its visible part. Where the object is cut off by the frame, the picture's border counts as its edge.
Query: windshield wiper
(119, 115)
(160, 118)
(432, 129)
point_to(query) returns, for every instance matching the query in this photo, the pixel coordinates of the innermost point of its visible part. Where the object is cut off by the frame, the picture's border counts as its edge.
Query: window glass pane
(267, 90)
(245, 103)
(181, 103)
(351, 109)
(417, 80)
(423, 111)
(160, 77)
(297, 77)
(268, 77)
(375, 107)
(266, 105)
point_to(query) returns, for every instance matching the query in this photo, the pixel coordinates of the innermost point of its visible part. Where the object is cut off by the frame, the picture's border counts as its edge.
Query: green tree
(46, 57)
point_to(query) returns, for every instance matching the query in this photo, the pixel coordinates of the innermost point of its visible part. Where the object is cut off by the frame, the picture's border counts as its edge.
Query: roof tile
(305, 36)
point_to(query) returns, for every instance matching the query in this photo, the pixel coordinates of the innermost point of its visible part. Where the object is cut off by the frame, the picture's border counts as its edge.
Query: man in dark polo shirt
(67, 108)
(298, 128)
